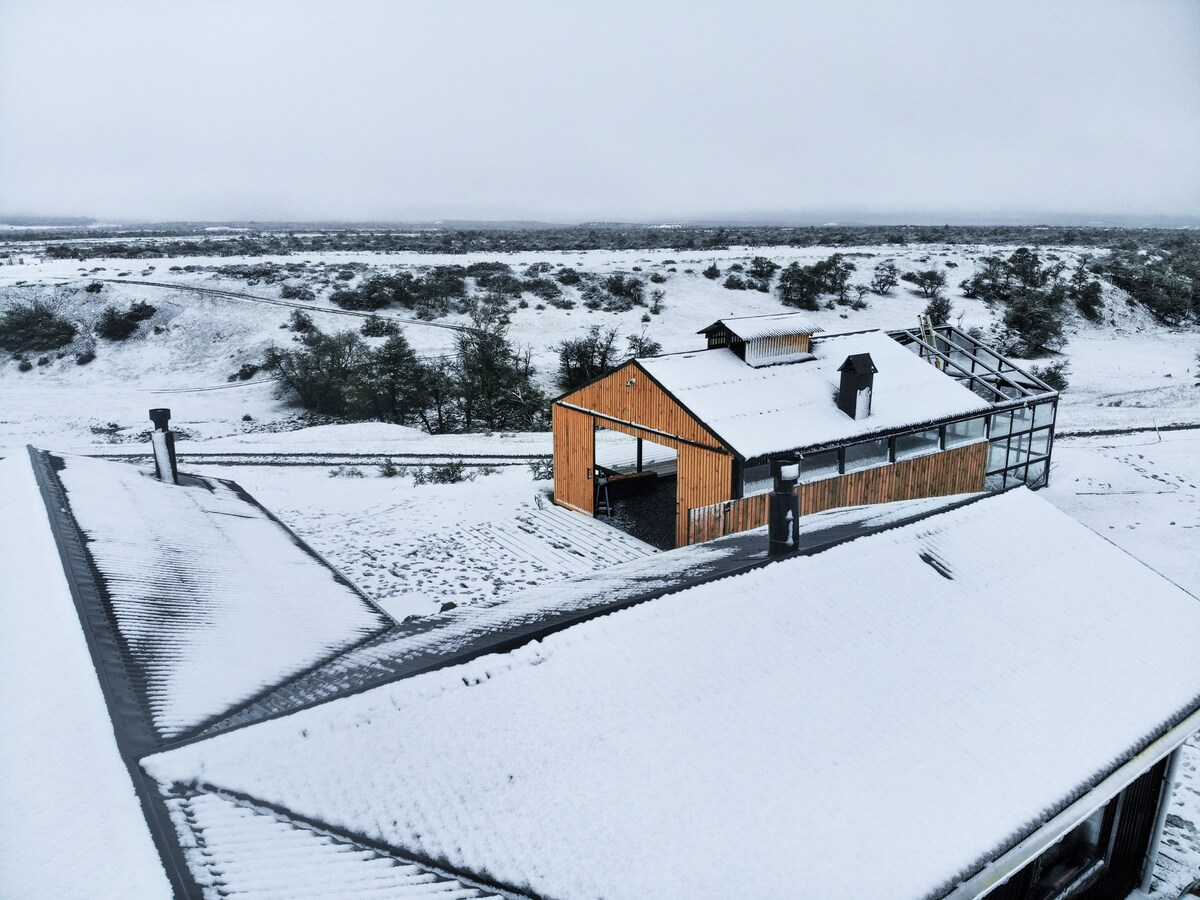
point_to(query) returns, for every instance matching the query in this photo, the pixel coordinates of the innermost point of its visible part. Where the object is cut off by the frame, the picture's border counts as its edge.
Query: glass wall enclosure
(1019, 444)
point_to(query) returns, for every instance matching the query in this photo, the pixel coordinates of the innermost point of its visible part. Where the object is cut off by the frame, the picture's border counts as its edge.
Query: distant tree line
(282, 240)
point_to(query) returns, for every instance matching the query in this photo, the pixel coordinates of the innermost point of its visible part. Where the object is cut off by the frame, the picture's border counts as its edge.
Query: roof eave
(1018, 855)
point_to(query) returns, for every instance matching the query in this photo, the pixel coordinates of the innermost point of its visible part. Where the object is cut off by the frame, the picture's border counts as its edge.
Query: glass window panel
(994, 482)
(998, 455)
(866, 455)
(1043, 414)
(1001, 423)
(1022, 419)
(916, 444)
(1035, 475)
(1065, 862)
(962, 432)
(1018, 449)
(757, 479)
(818, 465)
(1040, 445)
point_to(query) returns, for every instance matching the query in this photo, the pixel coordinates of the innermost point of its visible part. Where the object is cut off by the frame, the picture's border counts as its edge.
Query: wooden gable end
(630, 395)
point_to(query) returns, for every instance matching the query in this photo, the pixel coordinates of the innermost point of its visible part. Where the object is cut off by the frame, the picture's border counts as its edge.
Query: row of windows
(1018, 438)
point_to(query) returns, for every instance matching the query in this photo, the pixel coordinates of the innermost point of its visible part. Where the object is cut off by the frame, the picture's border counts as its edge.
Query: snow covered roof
(738, 738)
(468, 630)
(749, 328)
(214, 601)
(237, 849)
(791, 406)
(70, 821)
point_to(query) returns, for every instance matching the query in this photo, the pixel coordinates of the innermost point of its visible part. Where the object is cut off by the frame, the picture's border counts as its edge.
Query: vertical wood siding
(730, 517)
(574, 459)
(956, 471)
(704, 477)
(643, 403)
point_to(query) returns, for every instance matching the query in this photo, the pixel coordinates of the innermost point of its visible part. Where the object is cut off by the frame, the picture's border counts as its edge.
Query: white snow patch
(70, 822)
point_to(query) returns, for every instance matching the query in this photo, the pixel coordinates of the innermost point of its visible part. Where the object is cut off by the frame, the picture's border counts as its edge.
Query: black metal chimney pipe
(162, 439)
(783, 521)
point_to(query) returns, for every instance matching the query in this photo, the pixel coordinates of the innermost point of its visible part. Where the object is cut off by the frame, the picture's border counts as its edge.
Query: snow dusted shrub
(85, 357)
(24, 365)
(1054, 374)
(938, 309)
(300, 322)
(346, 472)
(94, 288)
(542, 469)
(140, 311)
(115, 325)
(33, 325)
(297, 292)
(388, 469)
(712, 273)
(377, 326)
(451, 472)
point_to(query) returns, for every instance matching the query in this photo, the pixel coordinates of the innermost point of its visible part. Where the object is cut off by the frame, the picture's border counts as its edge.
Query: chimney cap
(859, 364)
(160, 417)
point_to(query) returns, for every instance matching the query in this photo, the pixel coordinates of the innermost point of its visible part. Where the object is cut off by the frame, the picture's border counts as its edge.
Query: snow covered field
(1127, 372)
(415, 548)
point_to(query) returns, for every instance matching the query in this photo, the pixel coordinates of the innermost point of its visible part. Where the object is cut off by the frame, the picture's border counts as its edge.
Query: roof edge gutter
(998, 872)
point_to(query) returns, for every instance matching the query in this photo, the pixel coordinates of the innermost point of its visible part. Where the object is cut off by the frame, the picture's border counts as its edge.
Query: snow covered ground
(416, 547)
(1126, 372)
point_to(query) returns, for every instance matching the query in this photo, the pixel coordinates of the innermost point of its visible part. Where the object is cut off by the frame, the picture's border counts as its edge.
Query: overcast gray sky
(574, 111)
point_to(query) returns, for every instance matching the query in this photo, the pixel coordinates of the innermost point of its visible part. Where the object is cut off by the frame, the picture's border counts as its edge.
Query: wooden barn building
(680, 445)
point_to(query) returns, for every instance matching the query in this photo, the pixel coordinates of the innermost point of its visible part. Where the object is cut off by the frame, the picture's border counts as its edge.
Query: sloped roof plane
(777, 408)
(735, 721)
(214, 601)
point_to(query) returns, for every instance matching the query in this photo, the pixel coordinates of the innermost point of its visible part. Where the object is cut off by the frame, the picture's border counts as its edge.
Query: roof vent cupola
(858, 379)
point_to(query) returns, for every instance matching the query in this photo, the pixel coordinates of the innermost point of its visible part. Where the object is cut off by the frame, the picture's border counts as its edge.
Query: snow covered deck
(732, 738)
(791, 406)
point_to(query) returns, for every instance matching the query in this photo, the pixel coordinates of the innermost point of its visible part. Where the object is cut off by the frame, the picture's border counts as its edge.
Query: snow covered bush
(376, 326)
(542, 469)
(115, 325)
(31, 324)
(451, 472)
(1054, 374)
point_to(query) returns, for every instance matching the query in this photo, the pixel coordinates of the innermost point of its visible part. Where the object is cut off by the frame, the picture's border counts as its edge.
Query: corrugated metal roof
(239, 850)
(214, 601)
(741, 720)
(749, 328)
